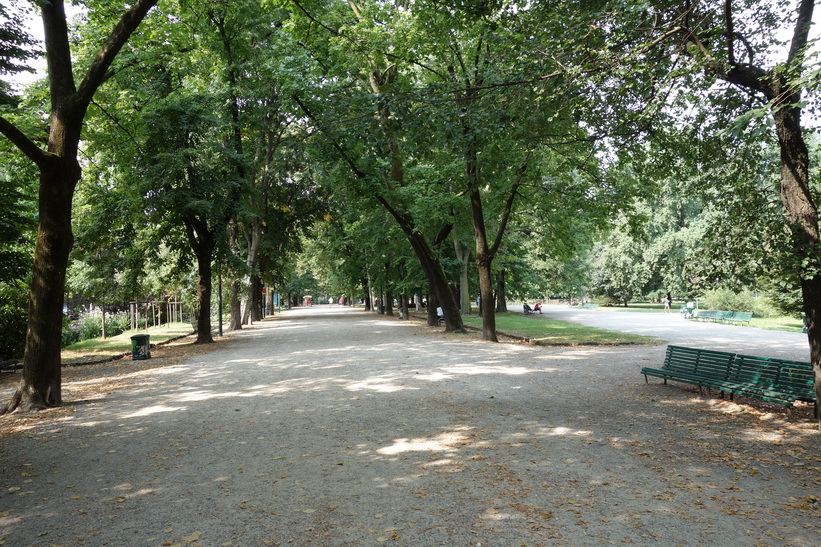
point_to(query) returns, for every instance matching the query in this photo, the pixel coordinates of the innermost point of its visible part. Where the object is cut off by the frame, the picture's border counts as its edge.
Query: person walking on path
(668, 302)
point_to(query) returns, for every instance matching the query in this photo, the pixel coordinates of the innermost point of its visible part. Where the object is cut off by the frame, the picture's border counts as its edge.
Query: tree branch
(356, 171)
(508, 211)
(25, 144)
(96, 74)
(802, 30)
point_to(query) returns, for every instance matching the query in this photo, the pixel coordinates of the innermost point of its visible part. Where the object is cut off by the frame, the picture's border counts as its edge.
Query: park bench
(774, 380)
(707, 315)
(739, 317)
(723, 316)
(781, 381)
(10, 364)
(700, 367)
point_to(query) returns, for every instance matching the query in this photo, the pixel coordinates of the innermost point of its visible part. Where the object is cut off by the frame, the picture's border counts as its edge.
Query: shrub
(725, 299)
(13, 317)
(117, 323)
(746, 300)
(70, 334)
(90, 326)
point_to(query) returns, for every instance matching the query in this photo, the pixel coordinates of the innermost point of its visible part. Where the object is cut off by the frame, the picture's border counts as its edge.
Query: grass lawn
(122, 342)
(790, 324)
(551, 332)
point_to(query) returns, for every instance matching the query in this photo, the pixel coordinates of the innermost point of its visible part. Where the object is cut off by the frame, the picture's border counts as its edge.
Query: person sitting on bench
(440, 314)
(537, 307)
(526, 308)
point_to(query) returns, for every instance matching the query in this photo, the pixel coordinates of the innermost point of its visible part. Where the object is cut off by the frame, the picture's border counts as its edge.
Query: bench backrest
(794, 377)
(722, 315)
(704, 362)
(741, 316)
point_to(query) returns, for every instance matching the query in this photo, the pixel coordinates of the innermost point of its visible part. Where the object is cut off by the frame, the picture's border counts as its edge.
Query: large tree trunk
(433, 303)
(388, 299)
(366, 287)
(234, 291)
(463, 256)
(204, 297)
(483, 264)
(501, 293)
(256, 301)
(235, 305)
(431, 266)
(269, 301)
(252, 311)
(42, 378)
(59, 174)
(803, 214)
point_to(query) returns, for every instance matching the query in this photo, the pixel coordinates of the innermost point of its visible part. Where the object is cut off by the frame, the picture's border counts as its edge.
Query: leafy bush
(746, 300)
(91, 326)
(725, 299)
(764, 307)
(609, 301)
(13, 317)
(70, 335)
(117, 323)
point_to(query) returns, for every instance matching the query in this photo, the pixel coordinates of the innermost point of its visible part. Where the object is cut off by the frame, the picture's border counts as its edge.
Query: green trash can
(140, 347)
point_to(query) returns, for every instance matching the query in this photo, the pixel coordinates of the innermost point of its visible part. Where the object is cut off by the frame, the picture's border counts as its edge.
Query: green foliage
(17, 227)
(620, 272)
(90, 325)
(784, 296)
(17, 47)
(744, 300)
(13, 315)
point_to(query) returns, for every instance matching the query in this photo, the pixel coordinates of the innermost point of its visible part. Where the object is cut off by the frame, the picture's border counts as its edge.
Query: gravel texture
(329, 426)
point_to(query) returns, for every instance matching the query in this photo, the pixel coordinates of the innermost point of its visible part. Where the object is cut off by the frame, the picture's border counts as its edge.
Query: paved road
(673, 328)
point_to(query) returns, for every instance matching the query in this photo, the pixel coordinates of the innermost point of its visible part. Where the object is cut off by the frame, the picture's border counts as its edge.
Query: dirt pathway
(334, 427)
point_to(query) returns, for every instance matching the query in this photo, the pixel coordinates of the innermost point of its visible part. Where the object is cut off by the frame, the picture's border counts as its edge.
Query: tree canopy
(442, 149)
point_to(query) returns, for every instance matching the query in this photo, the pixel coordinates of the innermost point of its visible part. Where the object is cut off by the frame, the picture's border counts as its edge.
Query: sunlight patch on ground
(149, 410)
(489, 369)
(195, 396)
(564, 431)
(439, 443)
(380, 385)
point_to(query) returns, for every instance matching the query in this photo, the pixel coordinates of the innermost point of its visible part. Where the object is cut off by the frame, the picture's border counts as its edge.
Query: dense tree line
(445, 148)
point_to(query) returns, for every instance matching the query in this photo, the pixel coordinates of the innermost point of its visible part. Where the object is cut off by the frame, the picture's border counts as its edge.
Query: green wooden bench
(739, 317)
(781, 381)
(708, 315)
(700, 367)
(774, 380)
(724, 316)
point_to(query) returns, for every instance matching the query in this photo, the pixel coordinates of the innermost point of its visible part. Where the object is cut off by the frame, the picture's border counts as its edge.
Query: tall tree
(41, 386)
(382, 163)
(733, 42)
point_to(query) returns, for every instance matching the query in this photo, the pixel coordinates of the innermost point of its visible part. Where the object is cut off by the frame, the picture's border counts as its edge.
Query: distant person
(440, 313)
(668, 302)
(537, 307)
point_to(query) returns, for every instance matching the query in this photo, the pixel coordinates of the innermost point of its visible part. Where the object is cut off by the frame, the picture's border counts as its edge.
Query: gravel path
(330, 426)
